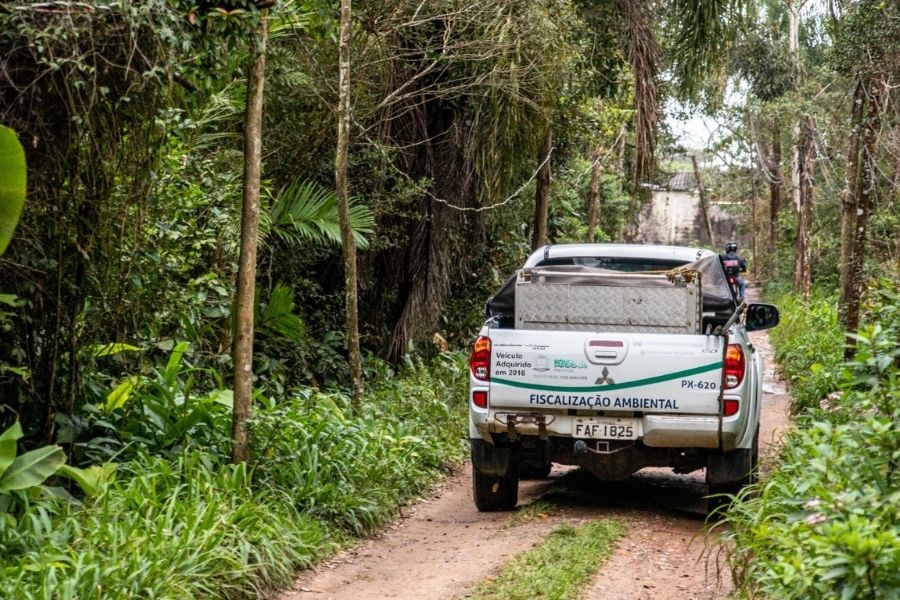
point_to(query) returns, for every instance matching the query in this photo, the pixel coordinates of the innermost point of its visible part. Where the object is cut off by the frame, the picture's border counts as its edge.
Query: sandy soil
(442, 546)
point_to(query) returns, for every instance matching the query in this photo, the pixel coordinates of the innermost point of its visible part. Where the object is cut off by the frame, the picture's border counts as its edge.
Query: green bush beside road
(190, 525)
(826, 522)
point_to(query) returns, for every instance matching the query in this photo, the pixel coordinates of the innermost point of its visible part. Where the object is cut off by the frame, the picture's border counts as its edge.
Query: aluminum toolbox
(606, 301)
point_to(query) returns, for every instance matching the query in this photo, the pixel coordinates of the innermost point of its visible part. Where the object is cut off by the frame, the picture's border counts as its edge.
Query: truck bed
(579, 299)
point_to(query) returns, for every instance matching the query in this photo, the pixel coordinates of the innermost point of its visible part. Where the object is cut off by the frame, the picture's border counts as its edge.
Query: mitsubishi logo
(605, 379)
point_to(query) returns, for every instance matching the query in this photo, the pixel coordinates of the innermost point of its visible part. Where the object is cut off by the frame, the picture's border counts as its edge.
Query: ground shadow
(655, 490)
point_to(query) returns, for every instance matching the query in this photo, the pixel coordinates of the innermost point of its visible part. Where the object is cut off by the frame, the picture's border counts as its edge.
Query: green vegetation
(826, 522)
(12, 184)
(556, 568)
(808, 347)
(117, 287)
(539, 509)
(189, 525)
(26, 471)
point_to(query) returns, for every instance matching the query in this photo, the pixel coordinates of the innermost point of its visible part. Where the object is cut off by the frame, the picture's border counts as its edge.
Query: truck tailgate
(611, 372)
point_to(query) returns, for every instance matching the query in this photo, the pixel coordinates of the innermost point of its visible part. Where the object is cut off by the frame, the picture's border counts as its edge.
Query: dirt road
(443, 546)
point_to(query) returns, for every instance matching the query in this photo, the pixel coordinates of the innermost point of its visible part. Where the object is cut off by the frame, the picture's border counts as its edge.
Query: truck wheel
(753, 475)
(493, 493)
(720, 494)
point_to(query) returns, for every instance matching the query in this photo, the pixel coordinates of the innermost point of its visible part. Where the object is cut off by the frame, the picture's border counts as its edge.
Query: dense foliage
(117, 289)
(825, 523)
(133, 145)
(190, 525)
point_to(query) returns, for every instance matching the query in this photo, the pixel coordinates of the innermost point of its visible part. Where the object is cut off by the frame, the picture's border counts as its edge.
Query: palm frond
(704, 32)
(219, 117)
(276, 318)
(307, 212)
(643, 58)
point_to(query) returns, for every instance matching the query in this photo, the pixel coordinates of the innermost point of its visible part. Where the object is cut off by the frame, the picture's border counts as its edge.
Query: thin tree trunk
(804, 214)
(343, 192)
(246, 281)
(793, 7)
(704, 205)
(848, 198)
(623, 135)
(770, 166)
(762, 160)
(864, 194)
(542, 191)
(794, 27)
(754, 226)
(774, 190)
(594, 199)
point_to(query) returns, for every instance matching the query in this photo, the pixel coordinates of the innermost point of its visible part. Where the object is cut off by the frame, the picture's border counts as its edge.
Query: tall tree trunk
(770, 166)
(246, 283)
(761, 159)
(774, 189)
(804, 214)
(594, 199)
(704, 205)
(542, 191)
(848, 197)
(865, 193)
(620, 163)
(754, 226)
(793, 7)
(343, 192)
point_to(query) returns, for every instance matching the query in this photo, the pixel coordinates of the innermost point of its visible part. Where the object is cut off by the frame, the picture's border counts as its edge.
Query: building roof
(683, 181)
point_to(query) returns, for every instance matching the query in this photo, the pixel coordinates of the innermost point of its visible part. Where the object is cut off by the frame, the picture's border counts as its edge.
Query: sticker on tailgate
(606, 383)
(586, 401)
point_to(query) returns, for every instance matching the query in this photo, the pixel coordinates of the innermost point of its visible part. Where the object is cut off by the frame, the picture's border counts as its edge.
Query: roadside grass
(191, 526)
(558, 567)
(537, 510)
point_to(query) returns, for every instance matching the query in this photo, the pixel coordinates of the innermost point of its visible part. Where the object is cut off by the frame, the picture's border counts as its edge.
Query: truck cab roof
(575, 253)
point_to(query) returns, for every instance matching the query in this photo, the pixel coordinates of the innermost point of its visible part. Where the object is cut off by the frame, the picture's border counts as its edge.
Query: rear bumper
(655, 431)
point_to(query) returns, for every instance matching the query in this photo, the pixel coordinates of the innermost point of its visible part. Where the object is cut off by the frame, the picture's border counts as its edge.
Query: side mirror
(761, 316)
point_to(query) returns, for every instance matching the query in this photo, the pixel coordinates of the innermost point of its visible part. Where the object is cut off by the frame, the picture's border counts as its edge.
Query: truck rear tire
(493, 493)
(720, 493)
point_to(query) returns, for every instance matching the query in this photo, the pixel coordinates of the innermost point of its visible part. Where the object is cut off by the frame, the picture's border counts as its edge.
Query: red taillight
(734, 366)
(480, 361)
(731, 407)
(479, 398)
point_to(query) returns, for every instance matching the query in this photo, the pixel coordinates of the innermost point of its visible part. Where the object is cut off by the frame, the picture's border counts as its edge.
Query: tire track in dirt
(442, 546)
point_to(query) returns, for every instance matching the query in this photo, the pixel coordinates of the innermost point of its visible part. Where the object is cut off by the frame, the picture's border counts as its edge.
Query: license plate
(599, 428)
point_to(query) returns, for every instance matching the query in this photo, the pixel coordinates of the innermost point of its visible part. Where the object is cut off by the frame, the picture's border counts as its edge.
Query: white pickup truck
(615, 357)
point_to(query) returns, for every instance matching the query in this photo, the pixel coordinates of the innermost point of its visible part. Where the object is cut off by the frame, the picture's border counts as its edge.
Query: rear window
(627, 265)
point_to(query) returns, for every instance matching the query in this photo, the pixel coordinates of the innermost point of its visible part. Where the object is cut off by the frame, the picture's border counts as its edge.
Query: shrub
(808, 347)
(354, 472)
(826, 522)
